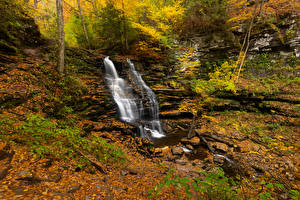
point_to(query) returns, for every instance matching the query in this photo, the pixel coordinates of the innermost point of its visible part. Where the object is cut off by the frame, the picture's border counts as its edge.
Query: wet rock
(190, 147)
(219, 160)
(220, 146)
(177, 151)
(193, 141)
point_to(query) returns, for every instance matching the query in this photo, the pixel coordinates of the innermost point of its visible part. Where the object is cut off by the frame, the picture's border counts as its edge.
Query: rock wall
(281, 39)
(17, 28)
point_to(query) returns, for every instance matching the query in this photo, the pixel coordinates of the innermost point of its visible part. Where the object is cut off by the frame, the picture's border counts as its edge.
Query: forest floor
(262, 139)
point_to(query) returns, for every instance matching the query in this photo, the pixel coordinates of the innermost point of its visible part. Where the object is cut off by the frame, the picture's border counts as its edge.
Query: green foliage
(114, 29)
(294, 194)
(261, 66)
(49, 20)
(214, 186)
(62, 139)
(206, 16)
(64, 103)
(221, 79)
(265, 65)
(75, 35)
(17, 27)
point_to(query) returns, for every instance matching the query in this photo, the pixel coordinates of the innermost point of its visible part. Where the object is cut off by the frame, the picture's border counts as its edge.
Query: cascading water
(131, 108)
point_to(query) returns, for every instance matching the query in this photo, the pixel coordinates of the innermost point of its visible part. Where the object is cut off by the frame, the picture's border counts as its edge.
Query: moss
(6, 47)
(17, 28)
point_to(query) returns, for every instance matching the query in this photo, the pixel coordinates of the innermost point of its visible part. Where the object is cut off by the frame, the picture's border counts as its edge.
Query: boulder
(190, 147)
(248, 145)
(220, 146)
(177, 151)
(193, 141)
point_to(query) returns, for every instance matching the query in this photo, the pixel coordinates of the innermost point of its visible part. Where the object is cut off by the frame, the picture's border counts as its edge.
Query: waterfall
(131, 107)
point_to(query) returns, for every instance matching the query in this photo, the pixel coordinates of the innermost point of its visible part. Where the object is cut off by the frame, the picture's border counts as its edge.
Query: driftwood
(99, 165)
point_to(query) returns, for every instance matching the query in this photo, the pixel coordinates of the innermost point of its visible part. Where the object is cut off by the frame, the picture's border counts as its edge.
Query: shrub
(215, 185)
(49, 138)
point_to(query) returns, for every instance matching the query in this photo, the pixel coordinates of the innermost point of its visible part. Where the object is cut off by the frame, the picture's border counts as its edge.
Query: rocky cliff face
(17, 28)
(282, 38)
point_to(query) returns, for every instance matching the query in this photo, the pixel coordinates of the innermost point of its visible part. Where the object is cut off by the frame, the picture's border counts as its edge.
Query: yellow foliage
(148, 30)
(190, 106)
(188, 64)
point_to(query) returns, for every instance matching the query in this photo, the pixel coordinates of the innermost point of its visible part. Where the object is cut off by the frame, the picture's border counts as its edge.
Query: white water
(131, 108)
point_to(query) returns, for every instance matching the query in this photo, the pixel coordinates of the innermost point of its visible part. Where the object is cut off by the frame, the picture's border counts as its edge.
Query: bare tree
(61, 36)
(246, 43)
(83, 24)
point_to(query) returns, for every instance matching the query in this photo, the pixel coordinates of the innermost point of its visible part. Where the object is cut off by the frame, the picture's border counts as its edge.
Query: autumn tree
(61, 35)
(83, 24)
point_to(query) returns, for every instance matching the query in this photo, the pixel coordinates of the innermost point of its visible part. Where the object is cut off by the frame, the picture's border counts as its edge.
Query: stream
(137, 105)
(140, 109)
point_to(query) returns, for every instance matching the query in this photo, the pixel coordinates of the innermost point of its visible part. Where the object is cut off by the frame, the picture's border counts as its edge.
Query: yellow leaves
(239, 18)
(171, 13)
(188, 64)
(210, 118)
(279, 137)
(253, 152)
(148, 30)
(236, 126)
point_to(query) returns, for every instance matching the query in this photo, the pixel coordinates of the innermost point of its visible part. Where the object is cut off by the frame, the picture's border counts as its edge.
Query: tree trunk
(247, 40)
(83, 24)
(261, 7)
(61, 36)
(125, 43)
(35, 4)
(191, 131)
